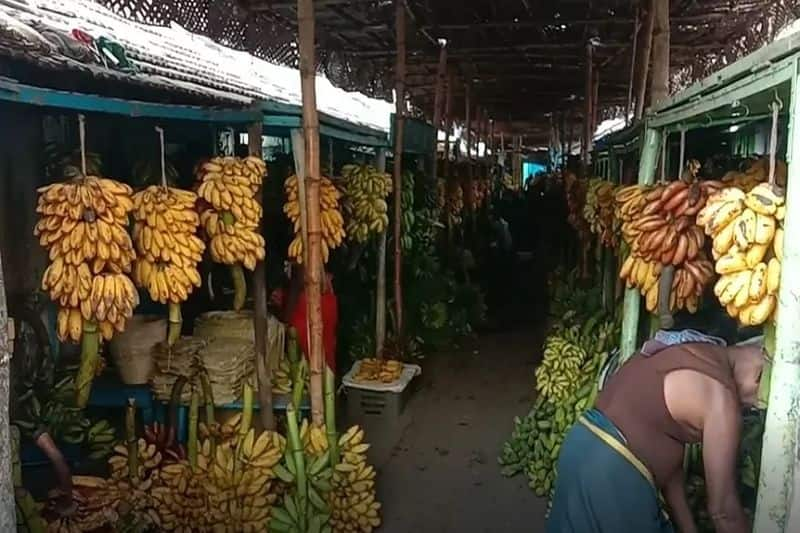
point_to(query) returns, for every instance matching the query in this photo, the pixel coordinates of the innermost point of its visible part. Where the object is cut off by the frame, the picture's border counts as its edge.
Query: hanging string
(664, 158)
(82, 133)
(773, 140)
(681, 159)
(160, 131)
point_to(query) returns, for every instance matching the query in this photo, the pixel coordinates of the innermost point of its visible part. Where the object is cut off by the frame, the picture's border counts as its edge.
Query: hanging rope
(773, 139)
(82, 133)
(160, 131)
(682, 158)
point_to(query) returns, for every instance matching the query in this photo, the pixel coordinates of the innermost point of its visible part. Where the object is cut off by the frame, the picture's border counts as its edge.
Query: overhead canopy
(523, 59)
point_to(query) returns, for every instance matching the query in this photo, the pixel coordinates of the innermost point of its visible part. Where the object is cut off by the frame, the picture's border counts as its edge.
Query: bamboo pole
(634, 48)
(595, 107)
(380, 288)
(400, 79)
(643, 59)
(659, 89)
(437, 107)
(263, 368)
(587, 109)
(632, 303)
(467, 120)
(313, 268)
(448, 122)
(778, 506)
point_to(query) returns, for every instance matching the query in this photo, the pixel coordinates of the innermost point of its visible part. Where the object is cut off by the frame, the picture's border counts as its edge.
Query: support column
(643, 59)
(777, 509)
(634, 48)
(313, 268)
(437, 107)
(263, 368)
(448, 123)
(400, 84)
(8, 516)
(659, 90)
(632, 303)
(380, 289)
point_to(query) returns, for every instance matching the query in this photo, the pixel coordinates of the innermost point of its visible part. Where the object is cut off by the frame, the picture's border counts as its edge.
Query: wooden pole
(643, 59)
(263, 368)
(380, 288)
(448, 123)
(467, 120)
(595, 95)
(400, 79)
(659, 90)
(8, 517)
(636, 26)
(313, 268)
(588, 96)
(441, 73)
(491, 136)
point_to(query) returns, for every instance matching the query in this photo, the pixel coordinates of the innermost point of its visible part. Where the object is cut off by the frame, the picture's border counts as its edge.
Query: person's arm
(675, 495)
(721, 433)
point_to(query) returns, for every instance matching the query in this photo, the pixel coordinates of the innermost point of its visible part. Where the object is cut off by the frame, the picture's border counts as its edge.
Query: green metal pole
(779, 463)
(632, 303)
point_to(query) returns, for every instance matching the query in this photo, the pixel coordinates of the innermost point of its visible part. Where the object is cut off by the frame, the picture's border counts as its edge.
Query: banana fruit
(598, 210)
(748, 238)
(378, 370)
(365, 205)
(333, 231)
(168, 250)
(228, 185)
(83, 226)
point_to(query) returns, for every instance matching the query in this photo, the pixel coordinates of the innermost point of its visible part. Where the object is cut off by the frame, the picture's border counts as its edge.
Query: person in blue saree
(620, 468)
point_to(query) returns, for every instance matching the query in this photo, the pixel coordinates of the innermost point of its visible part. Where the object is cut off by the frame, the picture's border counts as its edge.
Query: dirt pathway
(443, 477)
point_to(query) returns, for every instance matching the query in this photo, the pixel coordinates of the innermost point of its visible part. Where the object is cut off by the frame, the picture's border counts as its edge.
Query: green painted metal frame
(280, 117)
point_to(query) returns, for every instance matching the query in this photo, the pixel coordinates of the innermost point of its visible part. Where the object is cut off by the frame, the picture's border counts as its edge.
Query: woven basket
(225, 325)
(132, 349)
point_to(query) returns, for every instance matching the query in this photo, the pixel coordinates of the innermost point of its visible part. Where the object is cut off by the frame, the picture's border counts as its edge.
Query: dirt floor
(443, 476)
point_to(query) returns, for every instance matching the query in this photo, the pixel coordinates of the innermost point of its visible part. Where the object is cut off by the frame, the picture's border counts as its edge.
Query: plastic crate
(382, 415)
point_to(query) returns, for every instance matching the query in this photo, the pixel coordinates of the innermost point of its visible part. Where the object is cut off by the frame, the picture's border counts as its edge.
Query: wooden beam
(400, 74)
(313, 268)
(437, 107)
(586, 144)
(659, 90)
(527, 24)
(634, 47)
(643, 59)
(448, 125)
(467, 118)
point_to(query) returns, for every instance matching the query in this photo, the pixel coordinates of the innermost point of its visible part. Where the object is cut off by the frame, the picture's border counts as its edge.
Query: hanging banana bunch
(229, 185)
(83, 226)
(333, 232)
(168, 250)
(366, 190)
(747, 229)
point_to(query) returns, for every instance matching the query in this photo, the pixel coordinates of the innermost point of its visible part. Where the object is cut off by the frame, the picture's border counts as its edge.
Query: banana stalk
(247, 410)
(292, 349)
(90, 349)
(299, 382)
(239, 287)
(330, 415)
(208, 402)
(174, 402)
(175, 323)
(133, 445)
(295, 446)
(194, 414)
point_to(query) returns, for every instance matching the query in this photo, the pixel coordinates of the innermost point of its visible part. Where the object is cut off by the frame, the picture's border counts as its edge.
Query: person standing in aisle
(621, 457)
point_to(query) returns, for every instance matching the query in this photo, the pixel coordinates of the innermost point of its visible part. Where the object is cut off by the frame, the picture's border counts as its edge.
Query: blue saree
(601, 487)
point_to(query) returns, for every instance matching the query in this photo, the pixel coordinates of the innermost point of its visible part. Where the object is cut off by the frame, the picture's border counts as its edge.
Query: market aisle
(443, 476)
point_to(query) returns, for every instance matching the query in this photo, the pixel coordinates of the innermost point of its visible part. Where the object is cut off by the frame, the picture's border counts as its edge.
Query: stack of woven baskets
(170, 364)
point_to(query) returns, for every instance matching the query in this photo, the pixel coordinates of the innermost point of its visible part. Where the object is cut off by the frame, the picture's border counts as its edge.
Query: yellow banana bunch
(599, 210)
(282, 378)
(333, 232)
(168, 250)
(748, 246)
(366, 190)
(756, 173)
(229, 185)
(455, 202)
(148, 462)
(441, 194)
(94, 507)
(688, 282)
(83, 226)
(353, 503)
(181, 498)
(382, 370)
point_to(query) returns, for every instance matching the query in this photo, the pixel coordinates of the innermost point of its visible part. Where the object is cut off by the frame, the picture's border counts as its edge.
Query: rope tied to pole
(82, 134)
(160, 131)
(776, 106)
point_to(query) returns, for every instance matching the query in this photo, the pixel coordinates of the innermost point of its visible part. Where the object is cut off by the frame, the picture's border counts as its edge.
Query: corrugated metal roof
(170, 58)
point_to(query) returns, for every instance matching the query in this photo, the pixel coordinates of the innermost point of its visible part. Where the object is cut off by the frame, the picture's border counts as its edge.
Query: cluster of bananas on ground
(748, 248)
(598, 210)
(366, 190)
(229, 186)
(757, 172)
(168, 251)
(688, 283)
(333, 232)
(83, 226)
(94, 503)
(381, 370)
(353, 501)
(479, 192)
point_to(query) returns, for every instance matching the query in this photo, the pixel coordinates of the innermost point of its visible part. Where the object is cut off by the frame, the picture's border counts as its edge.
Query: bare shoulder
(691, 395)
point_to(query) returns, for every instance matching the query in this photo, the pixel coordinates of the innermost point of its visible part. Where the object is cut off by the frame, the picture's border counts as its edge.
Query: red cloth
(330, 319)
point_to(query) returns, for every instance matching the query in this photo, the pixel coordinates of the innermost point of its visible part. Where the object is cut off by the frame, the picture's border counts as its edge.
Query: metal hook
(778, 101)
(709, 119)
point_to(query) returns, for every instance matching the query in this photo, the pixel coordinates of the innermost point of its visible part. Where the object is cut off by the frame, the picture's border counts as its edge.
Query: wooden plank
(659, 89)
(400, 74)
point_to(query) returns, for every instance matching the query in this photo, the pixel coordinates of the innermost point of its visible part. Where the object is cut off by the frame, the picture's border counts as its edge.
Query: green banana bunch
(101, 438)
(366, 190)
(311, 513)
